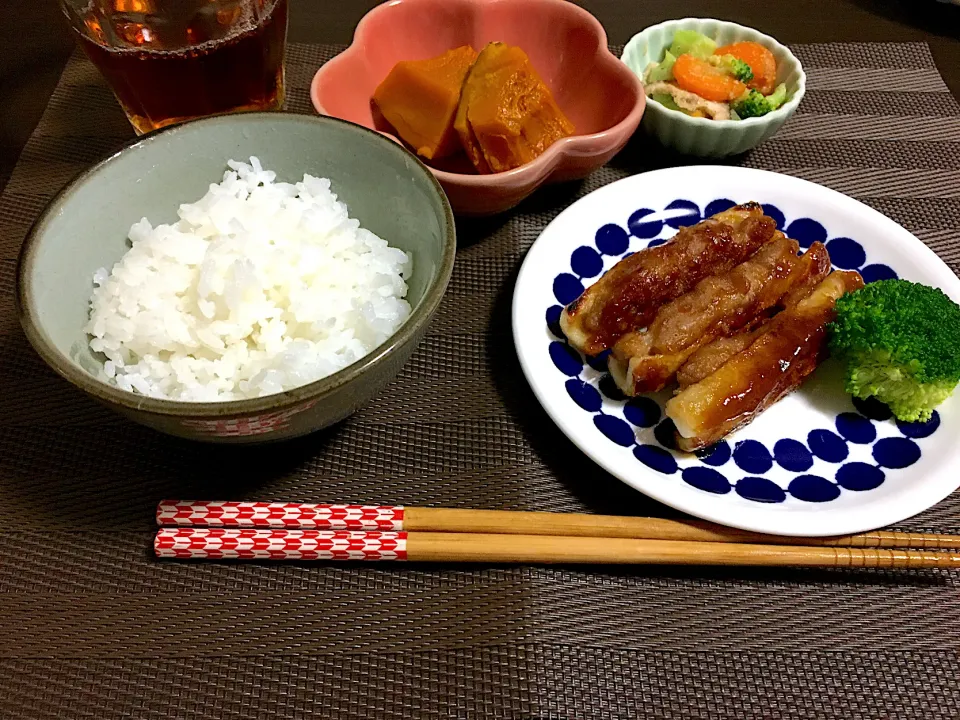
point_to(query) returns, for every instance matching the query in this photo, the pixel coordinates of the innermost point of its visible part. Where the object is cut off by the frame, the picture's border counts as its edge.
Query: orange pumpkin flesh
(419, 98)
(507, 115)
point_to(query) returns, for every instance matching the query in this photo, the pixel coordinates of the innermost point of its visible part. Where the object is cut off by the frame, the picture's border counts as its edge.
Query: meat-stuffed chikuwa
(628, 297)
(729, 311)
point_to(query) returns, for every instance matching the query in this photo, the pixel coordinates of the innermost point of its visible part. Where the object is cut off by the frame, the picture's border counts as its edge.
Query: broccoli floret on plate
(901, 344)
(754, 104)
(732, 66)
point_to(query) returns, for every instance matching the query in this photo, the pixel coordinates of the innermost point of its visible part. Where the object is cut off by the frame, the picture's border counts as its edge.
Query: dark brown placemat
(93, 627)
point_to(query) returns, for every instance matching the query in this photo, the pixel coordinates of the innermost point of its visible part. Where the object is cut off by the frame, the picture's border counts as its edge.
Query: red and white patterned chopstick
(265, 544)
(220, 543)
(395, 518)
(302, 516)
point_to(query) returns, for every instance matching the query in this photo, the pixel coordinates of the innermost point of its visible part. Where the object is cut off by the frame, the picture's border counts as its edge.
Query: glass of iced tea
(173, 60)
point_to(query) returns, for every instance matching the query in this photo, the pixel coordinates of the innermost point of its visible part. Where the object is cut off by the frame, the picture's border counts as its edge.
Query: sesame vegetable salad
(733, 82)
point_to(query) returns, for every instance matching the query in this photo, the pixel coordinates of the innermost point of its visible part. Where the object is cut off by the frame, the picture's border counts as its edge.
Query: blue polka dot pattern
(752, 457)
(774, 212)
(872, 408)
(584, 394)
(553, 320)
(717, 206)
(566, 359)
(664, 433)
(856, 428)
(612, 240)
(599, 362)
(920, 429)
(896, 453)
(586, 262)
(827, 446)
(792, 455)
(567, 288)
(806, 232)
(642, 412)
(609, 388)
(846, 253)
(615, 429)
(716, 455)
(690, 217)
(643, 429)
(641, 228)
(706, 479)
(760, 489)
(656, 458)
(859, 476)
(872, 273)
(813, 488)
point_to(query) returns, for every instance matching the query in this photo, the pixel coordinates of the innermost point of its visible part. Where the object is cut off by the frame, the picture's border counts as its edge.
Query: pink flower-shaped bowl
(565, 43)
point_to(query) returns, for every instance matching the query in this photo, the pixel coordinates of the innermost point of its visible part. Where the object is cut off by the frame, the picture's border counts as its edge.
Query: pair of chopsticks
(292, 531)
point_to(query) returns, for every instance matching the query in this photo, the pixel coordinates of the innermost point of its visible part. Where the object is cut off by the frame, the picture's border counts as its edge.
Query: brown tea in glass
(173, 60)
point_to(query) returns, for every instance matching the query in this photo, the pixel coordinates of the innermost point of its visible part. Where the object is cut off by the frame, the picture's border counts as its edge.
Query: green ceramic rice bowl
(86, 227)
(703, 137)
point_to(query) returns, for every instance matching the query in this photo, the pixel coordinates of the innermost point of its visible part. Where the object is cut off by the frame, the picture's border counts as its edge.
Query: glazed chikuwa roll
(718, 306)
(814, 266)
(775, 364)
(629, 295)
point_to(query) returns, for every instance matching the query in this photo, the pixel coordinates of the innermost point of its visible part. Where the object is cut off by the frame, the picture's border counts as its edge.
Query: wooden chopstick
(616, 526)
(507, 522)
(284, 544)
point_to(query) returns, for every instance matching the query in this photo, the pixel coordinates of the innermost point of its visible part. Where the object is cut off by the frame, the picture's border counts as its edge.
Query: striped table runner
(96, 629)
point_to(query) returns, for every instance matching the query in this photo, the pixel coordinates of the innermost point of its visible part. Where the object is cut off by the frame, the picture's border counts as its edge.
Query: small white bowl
(701, 136)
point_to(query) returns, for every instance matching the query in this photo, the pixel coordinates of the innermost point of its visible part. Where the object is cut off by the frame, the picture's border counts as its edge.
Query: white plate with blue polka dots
(816, 463)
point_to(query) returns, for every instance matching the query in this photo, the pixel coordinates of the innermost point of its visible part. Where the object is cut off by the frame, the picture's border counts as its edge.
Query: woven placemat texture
(93, 627)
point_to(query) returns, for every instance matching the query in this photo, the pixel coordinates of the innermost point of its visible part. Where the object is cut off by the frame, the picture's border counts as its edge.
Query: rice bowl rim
(72, 372)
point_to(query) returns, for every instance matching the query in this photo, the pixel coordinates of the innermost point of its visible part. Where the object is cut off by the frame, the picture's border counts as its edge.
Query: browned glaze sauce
(776, 363)
(722, 304)
(792, 353)
(717, 306)
(628, 297)
(708, 359)
(812, 268)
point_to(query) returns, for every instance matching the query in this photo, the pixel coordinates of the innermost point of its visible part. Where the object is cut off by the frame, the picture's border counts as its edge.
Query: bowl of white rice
(241, 278)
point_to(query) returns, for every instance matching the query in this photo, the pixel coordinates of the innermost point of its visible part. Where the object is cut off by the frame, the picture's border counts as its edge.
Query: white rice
(260, 287)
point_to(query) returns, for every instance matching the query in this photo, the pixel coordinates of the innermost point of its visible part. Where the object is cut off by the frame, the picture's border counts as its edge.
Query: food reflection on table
(492, 107)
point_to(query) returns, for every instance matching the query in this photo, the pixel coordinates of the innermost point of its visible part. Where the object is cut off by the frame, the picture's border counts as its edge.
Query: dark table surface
(280, 634)
(35, 42)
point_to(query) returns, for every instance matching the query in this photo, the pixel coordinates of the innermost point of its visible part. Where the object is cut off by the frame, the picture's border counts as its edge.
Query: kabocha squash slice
(419, 98)
(507, 115)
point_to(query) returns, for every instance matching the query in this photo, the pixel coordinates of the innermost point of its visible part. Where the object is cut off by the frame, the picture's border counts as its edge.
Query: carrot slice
(700, 77)
(760, 60)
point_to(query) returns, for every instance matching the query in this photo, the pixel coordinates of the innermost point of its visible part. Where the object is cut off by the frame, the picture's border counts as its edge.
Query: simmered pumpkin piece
(471, 146)
(506, 111)
(419, 98)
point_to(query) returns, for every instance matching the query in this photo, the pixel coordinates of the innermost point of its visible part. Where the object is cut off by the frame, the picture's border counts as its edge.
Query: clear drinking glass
(173, 60)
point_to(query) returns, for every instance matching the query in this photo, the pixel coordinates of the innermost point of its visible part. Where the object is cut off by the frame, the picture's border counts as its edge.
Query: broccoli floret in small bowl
(755, 104)
(711, 133)
(900, 342)
(734, 66)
